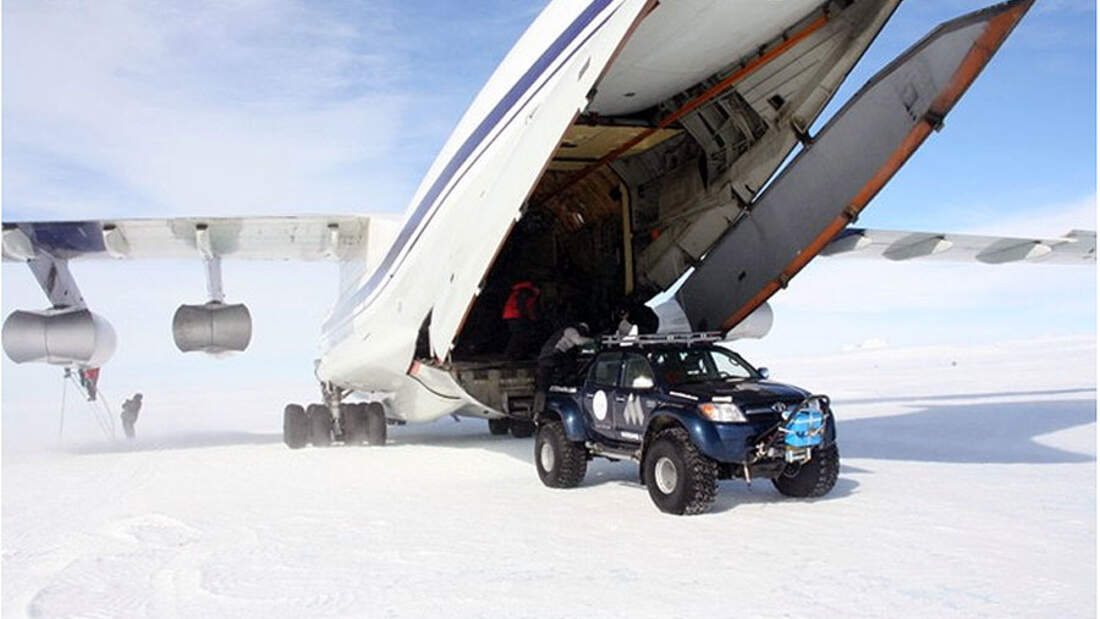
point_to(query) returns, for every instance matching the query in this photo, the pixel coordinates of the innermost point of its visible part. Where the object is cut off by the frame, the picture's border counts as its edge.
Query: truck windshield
(698, 365)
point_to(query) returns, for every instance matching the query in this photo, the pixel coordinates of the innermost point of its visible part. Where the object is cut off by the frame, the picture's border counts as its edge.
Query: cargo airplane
(620, 147)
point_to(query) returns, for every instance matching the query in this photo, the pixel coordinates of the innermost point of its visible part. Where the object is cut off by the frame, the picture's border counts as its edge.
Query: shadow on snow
(1000, 433)
(987, 433)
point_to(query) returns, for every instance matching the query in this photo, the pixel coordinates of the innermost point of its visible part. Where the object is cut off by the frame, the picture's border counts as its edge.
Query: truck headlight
(724, 412)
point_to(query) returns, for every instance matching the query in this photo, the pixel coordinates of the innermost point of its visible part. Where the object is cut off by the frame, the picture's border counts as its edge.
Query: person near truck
(639, 315)
(557, 357)
(520, 314)
(130, 410)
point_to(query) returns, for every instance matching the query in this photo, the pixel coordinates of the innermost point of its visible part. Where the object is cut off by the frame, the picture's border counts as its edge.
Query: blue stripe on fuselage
(402, 242)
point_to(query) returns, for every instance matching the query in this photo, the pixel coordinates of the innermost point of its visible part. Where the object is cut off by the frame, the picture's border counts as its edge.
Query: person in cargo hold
(520, 315)
(639, 315)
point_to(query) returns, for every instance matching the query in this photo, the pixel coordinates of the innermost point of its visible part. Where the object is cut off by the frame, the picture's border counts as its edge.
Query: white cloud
(198, 108)
(1042, 222)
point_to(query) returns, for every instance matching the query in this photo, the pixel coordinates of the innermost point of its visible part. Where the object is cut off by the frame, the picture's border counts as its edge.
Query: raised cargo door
(827, 185)
(479, 211)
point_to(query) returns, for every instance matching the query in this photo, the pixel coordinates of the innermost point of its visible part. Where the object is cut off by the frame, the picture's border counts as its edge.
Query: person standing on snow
(130, 410)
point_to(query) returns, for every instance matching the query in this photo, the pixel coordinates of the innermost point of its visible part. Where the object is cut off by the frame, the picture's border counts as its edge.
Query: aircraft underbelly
(834, 178)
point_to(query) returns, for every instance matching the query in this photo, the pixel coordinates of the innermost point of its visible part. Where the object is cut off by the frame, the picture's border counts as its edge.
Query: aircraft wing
(304, 237)
(1077, 247)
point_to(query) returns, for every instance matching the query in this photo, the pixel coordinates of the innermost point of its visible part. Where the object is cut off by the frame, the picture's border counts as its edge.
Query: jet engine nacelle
(212, 327)
(61, 337)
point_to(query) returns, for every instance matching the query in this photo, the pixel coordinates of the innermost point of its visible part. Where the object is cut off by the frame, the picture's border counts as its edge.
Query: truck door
(599, 392)
(631, 403)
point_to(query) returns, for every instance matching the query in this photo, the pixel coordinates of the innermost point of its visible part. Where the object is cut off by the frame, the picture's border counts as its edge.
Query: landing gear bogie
(295, 426)
(355, 424)
(320, 425)
(375, 423)
(499, 427)
(522, 428)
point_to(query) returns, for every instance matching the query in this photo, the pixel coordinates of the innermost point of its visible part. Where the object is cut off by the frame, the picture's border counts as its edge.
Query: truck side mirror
(764, 373)
(642, 382)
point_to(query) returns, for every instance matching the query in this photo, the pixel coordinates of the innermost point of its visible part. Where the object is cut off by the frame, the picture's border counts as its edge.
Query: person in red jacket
(520, 313)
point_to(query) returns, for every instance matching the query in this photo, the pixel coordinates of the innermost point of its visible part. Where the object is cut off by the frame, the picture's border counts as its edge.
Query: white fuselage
(477, 185)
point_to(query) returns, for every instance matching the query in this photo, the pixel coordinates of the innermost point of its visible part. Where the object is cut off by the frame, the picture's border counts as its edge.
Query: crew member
(130, 410)
(558, 355)
(520, 314)
(637, 315)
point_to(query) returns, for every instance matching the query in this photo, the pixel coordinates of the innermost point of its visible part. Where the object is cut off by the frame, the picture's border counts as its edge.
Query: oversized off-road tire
(376, 423)
(811, 479)
(320, 425)
(295, 426)
(680, 479)
(499, 427)
(520, 428)
(355, 423)
(561, 463)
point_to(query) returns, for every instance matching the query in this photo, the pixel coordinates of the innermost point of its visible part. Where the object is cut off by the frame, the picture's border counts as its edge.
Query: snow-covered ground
(968, 488)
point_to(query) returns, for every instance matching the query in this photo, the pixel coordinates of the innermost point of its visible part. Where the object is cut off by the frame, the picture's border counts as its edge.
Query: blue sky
(260, 107)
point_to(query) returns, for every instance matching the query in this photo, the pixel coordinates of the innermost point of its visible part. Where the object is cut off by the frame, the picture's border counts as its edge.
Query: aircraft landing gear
(499, 427)
(295, 426)
(322, 424)
(364, 421)
(518, 428)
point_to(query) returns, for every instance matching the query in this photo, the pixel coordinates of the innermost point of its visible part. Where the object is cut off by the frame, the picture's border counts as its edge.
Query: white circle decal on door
(599, 405)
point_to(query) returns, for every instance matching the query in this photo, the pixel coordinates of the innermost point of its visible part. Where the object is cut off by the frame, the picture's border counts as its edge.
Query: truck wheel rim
(546, 456)
(666, 475)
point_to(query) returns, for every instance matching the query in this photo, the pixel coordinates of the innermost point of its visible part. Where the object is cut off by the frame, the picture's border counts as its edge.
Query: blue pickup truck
(690, 412)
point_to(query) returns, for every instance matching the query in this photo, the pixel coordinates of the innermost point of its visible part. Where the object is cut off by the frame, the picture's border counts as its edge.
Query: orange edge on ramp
(979, 55)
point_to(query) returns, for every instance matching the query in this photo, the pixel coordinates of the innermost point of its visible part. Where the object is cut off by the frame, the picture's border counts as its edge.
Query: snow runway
(966, 490)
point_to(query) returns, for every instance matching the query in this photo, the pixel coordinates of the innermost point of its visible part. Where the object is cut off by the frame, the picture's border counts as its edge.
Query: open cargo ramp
(838, 173)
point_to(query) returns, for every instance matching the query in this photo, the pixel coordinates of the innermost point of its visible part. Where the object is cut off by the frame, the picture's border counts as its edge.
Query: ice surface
(968, 488)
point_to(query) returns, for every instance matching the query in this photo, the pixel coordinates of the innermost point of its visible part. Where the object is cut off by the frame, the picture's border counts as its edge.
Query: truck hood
(744, 392)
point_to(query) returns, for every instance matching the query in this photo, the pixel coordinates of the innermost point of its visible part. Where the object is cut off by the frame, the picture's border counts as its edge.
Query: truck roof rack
(662, 339)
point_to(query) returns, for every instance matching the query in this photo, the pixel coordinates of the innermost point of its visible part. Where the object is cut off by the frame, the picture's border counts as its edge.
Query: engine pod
(60, 337)
(212, 327)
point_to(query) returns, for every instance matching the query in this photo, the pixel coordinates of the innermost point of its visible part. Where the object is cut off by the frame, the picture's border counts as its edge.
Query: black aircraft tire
(320, 425)
(499, 427)
(295, 426)
(521, 428)
(812, 479)
(355, 423)
(681, 480)
(561, 463)
(376, 423)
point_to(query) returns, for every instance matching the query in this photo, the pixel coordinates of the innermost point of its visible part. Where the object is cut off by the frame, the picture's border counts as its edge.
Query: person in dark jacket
(520, 314)
(130, 410)
(558, 355)
(639, 315)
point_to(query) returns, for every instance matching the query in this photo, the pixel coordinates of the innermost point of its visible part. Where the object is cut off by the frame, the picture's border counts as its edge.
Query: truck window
(605, 370)
(636, 373)
(699, 365)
